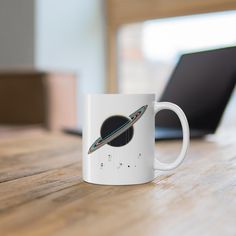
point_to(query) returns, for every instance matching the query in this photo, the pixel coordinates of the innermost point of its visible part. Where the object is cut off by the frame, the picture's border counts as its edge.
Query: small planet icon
(117, 131)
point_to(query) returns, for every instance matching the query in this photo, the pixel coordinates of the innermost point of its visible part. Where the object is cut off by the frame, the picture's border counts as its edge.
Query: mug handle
(185, 127)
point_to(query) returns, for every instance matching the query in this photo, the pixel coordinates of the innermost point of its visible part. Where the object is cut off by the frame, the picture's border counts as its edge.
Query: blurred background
(53, 52)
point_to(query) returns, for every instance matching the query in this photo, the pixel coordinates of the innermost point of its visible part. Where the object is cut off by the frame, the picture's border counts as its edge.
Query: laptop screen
(201, 85)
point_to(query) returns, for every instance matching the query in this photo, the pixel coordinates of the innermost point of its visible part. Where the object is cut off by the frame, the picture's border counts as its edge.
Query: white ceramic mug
(118, 138)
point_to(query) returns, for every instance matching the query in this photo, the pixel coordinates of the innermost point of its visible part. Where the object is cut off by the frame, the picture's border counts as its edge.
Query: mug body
(118, 138)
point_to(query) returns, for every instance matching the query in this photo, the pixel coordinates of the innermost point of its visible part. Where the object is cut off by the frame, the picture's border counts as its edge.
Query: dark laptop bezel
(230, 87)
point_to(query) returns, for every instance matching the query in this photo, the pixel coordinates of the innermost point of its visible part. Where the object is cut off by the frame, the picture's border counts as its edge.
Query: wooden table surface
(42, 192)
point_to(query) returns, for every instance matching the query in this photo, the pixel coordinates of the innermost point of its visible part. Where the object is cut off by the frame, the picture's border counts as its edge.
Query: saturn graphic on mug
(117, 131)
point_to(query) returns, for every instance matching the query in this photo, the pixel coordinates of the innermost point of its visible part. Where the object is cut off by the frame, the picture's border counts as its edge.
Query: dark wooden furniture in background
(42, 192)
(37, 97)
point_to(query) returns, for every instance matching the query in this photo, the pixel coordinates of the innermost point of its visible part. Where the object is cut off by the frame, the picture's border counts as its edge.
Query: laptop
(201, 84)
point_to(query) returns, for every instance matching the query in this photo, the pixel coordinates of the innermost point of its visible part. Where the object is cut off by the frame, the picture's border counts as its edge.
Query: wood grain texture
(42, 192)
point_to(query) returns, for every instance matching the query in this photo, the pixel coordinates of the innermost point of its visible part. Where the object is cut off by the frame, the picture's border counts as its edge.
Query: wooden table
(42, 192)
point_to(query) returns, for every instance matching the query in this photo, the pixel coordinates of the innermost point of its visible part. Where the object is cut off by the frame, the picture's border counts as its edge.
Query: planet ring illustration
(134, 117)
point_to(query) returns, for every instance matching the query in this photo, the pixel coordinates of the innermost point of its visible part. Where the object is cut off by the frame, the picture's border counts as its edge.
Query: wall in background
(16, 34)
(65, 35)
(70, 36)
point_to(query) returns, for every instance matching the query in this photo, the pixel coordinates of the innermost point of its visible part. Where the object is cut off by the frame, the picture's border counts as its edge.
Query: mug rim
(119, 94)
